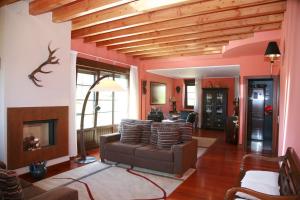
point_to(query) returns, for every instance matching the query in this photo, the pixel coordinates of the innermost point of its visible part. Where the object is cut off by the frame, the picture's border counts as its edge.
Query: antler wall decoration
(52, 60)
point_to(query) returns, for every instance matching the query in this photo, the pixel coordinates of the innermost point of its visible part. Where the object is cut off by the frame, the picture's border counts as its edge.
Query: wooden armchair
(289, 178)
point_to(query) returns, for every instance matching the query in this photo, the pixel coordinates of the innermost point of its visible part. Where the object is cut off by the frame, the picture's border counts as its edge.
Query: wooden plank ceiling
(150, 29)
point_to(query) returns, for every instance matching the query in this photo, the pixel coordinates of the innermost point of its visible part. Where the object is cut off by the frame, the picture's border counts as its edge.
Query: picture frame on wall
(158, 93)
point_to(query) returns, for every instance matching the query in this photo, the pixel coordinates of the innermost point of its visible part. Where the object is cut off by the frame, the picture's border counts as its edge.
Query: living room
(162, 61)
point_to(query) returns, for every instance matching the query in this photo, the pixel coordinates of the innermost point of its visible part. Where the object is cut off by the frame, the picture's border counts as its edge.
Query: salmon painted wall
(289, 80)
(145, 99)
(106, 56)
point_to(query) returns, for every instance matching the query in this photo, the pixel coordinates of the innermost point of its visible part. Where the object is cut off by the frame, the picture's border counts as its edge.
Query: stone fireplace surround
(16, 156)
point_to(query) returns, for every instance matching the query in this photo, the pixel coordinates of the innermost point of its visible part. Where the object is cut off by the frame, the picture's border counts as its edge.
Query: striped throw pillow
(167, 137)
(154, 135)
(145, 124)
(131, 134)
(186, 132)
(9, 185)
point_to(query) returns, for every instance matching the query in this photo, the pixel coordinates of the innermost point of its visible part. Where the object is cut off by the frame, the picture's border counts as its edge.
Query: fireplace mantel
(17, 117)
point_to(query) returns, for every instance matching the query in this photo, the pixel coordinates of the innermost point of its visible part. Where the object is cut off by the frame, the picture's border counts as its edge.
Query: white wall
(24, 40)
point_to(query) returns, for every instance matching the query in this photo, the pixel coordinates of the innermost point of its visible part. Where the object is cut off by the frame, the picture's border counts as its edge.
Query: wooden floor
(217, 170)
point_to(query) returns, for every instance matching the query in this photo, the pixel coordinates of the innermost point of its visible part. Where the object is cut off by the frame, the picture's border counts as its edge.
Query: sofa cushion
(146, 128)
(151, 152)
(131, 134)
(185, 130)
(259, 187)
(121, 147)
(263, 177)
(9, 185)
(260, 181)
(167, 137)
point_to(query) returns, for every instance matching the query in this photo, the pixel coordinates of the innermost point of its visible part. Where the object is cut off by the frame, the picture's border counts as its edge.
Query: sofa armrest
(185, 156)
(230, 194)
(60, 193)
(107, 138)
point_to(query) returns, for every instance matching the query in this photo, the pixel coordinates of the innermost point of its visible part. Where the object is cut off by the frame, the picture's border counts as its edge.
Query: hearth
(36, 134)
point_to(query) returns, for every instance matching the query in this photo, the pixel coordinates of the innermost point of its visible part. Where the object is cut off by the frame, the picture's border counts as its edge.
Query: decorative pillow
(145, 124)
(186, 132)
(9, 185)
(167, 137)
(154, 135)
(131, 134)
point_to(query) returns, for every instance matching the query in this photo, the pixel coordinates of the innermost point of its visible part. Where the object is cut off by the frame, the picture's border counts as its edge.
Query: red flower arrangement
(268, 109)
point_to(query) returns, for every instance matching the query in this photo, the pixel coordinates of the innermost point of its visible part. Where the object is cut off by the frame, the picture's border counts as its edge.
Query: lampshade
(107, 85)
(272, 51)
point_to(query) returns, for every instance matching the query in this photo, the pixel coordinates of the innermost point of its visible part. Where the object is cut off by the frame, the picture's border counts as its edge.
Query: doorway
(261, 116)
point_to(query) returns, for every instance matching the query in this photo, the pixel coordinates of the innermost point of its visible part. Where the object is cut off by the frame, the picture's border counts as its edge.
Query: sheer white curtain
(72, 110)
(133, 93)
(198, 100)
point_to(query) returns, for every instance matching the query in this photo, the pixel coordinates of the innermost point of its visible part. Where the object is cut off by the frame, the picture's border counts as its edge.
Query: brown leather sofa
(31, 192)
(177, 160)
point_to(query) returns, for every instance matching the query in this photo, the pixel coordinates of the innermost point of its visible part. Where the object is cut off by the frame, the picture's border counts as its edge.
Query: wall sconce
(144, 87)
(178, 89)
(272, 53)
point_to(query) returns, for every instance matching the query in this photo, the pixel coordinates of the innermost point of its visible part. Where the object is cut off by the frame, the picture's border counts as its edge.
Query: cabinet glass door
(219, 103)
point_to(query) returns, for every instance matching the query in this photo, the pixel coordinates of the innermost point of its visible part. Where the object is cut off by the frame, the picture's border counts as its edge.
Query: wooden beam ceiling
(84, 8)
(7, 2)
(240, 13)
(199, 35)
(37, 7)
(150, 29)
(182, 47)
(115, 37)
(126, 10)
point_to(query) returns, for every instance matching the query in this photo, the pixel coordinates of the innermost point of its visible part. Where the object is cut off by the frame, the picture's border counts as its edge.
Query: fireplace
(36, 134)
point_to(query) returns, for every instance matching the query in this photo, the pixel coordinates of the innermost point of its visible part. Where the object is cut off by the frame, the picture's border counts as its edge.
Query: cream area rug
(115, 182)
(205, 141)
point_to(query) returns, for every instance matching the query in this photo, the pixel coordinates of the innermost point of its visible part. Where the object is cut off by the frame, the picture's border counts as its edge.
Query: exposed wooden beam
(84, 7)
(184, 30)
(198, 35)
(126, 10)
(182, 54)
(177, 48)
(205, 35)
(37, 7)
(157, 48)
(187, 42)
(240, 13)
(7, 2)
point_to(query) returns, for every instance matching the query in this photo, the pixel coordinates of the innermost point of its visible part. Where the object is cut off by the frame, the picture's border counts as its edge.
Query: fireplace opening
(39, 134)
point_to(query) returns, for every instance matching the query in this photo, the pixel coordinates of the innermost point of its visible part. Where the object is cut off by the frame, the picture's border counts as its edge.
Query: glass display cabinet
(214, 108)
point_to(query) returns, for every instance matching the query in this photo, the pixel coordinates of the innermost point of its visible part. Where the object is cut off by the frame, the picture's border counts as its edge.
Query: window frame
(190, 82)
(96, 68)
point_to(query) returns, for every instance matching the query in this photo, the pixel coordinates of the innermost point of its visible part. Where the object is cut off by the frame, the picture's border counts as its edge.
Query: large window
(190, 94)
(113, 105)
